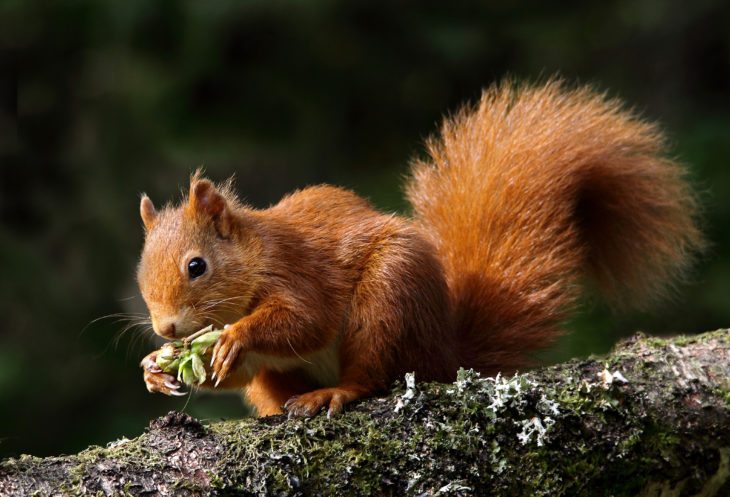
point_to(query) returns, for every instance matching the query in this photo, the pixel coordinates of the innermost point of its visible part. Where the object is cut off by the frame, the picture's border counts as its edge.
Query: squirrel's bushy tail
(535, 187)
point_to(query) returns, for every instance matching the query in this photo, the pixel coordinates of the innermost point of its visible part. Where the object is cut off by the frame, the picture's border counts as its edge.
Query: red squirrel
(328, 300)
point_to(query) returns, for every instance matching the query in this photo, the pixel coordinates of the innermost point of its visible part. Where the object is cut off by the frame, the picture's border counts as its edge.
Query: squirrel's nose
(165, 327)
(168, 330)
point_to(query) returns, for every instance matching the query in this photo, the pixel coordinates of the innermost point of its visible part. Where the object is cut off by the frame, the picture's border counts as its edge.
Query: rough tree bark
(650, 419)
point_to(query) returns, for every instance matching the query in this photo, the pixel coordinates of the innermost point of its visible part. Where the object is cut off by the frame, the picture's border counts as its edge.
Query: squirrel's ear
(148, 212)
(207, 201)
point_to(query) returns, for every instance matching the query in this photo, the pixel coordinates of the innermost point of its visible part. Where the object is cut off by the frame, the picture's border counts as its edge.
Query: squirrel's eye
(196, 267)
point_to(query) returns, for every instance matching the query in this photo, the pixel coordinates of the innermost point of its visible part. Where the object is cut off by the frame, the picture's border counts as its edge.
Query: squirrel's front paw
(225, 355)
(158, 381)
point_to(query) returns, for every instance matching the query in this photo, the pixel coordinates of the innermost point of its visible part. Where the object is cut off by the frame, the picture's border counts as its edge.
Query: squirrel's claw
(225, 354)
(161, 383)
(172, 385)
(156, 380)
(310, 403)
(149, 363)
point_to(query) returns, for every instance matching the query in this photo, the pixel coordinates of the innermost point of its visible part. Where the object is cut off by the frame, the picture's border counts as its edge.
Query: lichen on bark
(652, 419)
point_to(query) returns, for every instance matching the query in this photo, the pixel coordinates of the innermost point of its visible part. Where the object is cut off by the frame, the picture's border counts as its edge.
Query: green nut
(166, 356)
(201, 344)
(186, 357)
(198, 369)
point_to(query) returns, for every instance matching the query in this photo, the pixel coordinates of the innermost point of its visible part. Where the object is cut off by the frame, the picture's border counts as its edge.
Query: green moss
(478, 421)
(723, 393)
(559, 431)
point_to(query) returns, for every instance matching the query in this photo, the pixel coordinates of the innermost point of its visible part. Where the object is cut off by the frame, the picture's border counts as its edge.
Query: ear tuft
(148, 212)
(207, 201)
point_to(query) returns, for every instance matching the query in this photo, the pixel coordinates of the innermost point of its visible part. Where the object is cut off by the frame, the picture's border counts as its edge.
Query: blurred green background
(114, 98)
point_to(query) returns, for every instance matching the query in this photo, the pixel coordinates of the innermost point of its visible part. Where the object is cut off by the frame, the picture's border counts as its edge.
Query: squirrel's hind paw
(309, 404)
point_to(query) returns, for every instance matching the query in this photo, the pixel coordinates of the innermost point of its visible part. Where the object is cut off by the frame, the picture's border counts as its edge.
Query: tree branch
(650, 419)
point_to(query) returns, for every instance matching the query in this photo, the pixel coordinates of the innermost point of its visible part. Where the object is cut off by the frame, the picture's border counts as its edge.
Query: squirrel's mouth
(174, 325)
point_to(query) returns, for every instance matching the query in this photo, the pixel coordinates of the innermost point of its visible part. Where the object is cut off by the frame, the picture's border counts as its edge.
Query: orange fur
(534, 187)
(522, 195)
(269, 390)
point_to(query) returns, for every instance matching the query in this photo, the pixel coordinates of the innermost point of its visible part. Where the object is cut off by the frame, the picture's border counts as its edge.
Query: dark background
(104, 100)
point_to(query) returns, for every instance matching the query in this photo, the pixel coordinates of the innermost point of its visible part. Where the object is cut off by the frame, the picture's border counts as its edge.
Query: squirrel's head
(198, 265)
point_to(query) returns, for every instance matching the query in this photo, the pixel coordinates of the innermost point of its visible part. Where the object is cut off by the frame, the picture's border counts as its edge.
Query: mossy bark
(650, 419)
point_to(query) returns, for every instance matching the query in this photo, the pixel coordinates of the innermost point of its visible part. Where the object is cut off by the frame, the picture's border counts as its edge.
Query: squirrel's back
(533, 188)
